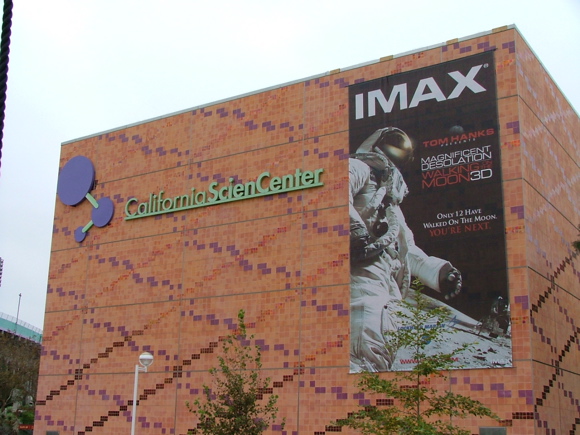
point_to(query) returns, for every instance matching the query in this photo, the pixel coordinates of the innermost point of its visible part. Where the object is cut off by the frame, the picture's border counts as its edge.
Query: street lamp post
(145, 360)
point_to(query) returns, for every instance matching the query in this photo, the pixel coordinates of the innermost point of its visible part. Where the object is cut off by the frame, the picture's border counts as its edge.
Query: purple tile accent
(251, 125)
(511, 46)
(528, 395)
(515, 125)
(519, 210)
(524, 300)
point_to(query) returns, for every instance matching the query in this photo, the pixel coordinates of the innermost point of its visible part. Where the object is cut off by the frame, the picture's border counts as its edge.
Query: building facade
(165, 229)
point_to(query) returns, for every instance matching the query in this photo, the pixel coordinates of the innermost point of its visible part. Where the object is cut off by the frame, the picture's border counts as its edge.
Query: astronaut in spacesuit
(384, 256)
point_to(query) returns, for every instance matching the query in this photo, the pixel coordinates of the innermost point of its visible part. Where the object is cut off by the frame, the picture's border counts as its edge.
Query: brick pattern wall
(173, 284)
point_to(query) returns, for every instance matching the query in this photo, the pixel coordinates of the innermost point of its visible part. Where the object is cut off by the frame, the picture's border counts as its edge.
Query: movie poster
(426, 211)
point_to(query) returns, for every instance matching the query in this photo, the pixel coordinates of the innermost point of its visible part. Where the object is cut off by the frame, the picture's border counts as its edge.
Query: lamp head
(145, 359)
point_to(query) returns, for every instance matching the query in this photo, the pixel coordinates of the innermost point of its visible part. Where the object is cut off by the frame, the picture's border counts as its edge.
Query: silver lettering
(427, 89)
(421, 96)
(466, 82)
(387, 105)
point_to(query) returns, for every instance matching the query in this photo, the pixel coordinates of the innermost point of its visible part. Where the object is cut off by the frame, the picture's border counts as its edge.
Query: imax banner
(426, 212)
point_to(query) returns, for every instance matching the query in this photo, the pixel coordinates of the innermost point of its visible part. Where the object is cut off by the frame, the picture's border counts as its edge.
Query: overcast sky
(81, 67)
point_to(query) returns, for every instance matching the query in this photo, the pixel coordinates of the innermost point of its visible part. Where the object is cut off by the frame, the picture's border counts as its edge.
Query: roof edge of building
(304, 79)
(513, 26)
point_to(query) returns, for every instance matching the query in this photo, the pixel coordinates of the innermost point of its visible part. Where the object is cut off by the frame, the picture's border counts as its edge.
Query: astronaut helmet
(392, 142)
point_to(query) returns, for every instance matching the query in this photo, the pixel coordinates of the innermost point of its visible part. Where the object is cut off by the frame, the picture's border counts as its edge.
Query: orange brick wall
(173, 284)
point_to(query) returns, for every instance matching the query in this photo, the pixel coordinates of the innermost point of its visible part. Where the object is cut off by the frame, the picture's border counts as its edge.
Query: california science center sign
(216, 193)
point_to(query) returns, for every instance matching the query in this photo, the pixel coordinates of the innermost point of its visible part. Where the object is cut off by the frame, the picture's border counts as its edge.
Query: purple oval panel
(102, 216)
(79, 235)
(75, 180)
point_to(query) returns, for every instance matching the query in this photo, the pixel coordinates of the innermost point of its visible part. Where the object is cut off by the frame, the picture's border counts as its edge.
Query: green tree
(417, 406)
(19, 363)
(235, 403)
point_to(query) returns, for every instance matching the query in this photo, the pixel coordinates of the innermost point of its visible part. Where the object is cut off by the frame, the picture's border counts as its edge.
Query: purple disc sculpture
(102, 215)
(75, 180)
(79, 235)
